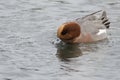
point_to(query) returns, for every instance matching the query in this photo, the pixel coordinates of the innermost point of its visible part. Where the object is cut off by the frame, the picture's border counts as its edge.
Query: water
(28, 31)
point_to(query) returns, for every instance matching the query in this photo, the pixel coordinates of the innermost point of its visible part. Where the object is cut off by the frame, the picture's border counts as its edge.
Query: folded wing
(95, 24)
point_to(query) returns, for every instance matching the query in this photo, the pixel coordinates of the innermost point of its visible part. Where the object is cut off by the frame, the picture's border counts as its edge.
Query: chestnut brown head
(68, 31)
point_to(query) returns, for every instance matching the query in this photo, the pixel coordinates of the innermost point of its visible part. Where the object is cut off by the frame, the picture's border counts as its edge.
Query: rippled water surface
(28, 31)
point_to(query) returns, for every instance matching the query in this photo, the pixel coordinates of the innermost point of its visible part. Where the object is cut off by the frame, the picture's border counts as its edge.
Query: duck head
(68, 31)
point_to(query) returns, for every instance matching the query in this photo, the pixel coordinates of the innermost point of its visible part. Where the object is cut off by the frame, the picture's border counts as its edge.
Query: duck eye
(64, 32)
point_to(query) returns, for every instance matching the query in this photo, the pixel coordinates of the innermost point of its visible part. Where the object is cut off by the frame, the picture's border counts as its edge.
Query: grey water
(28, 33)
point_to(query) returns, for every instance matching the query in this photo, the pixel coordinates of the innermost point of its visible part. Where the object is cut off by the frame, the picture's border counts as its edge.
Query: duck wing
(98, 15)
(94, 22)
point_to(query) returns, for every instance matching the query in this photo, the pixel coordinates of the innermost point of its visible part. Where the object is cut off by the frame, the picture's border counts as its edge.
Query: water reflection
(66, 51)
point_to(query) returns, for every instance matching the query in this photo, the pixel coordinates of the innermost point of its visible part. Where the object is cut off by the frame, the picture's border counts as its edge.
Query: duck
(90, 28)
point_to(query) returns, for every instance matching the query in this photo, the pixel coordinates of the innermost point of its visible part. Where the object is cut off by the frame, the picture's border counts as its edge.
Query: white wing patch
(102, 31)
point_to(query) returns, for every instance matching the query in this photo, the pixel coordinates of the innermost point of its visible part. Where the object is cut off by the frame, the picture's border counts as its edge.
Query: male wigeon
(89, 28)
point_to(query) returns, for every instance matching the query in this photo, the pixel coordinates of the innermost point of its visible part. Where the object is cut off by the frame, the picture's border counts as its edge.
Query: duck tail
(105, 20)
